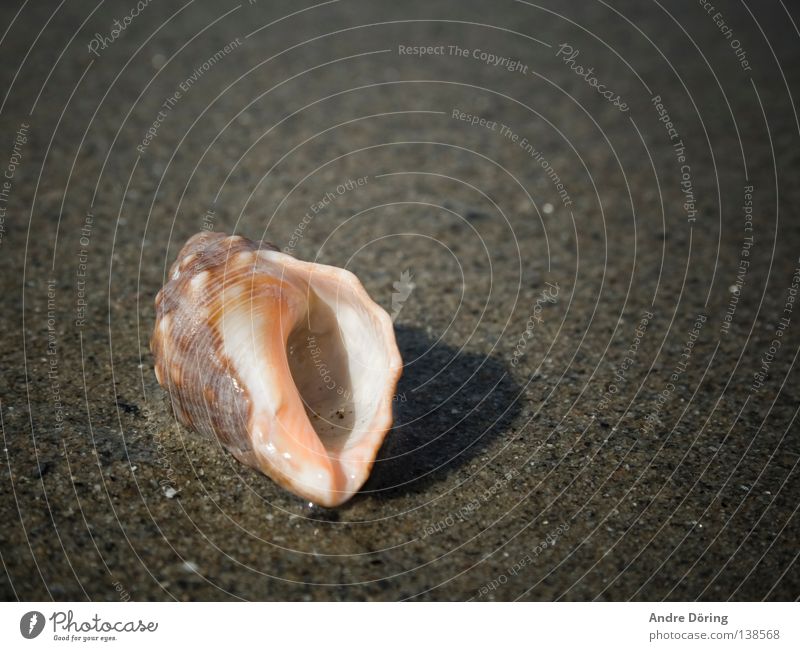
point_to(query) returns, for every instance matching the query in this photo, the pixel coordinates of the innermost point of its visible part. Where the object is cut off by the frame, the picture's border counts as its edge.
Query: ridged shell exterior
(213, 385)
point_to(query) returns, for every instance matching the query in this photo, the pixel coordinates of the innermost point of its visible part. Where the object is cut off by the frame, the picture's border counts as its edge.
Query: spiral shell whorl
(222, 343)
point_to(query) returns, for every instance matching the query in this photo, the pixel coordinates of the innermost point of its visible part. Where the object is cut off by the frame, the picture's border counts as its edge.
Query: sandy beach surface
(583, 220)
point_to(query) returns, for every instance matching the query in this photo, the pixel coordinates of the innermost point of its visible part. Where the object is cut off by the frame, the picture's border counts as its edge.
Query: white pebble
(190, 566)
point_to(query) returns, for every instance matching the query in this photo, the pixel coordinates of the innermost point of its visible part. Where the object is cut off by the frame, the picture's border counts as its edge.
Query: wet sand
(596, 274)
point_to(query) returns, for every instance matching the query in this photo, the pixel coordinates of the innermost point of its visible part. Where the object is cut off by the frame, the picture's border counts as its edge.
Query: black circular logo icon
(31, 624)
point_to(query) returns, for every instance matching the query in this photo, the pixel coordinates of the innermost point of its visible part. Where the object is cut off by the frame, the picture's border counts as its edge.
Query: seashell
(290, 364)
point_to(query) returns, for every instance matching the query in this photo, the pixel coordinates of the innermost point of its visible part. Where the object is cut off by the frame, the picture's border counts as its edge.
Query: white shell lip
(229, 347)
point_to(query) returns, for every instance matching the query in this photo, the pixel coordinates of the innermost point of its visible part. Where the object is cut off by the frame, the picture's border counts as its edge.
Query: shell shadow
(450, 406)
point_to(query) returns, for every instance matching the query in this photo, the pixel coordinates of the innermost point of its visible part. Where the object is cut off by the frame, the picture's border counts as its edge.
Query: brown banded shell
(289, 364)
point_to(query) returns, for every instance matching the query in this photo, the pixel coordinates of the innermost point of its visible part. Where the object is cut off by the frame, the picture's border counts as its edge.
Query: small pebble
(189, 566)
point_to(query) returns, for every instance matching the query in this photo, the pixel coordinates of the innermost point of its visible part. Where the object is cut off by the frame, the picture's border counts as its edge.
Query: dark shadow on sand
(451, 405)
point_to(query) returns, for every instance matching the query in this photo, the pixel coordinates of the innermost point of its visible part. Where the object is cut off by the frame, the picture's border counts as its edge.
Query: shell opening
(289, 363)
(338, 365)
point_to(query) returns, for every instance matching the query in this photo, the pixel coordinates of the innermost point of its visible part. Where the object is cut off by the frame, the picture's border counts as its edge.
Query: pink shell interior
(289, 364)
